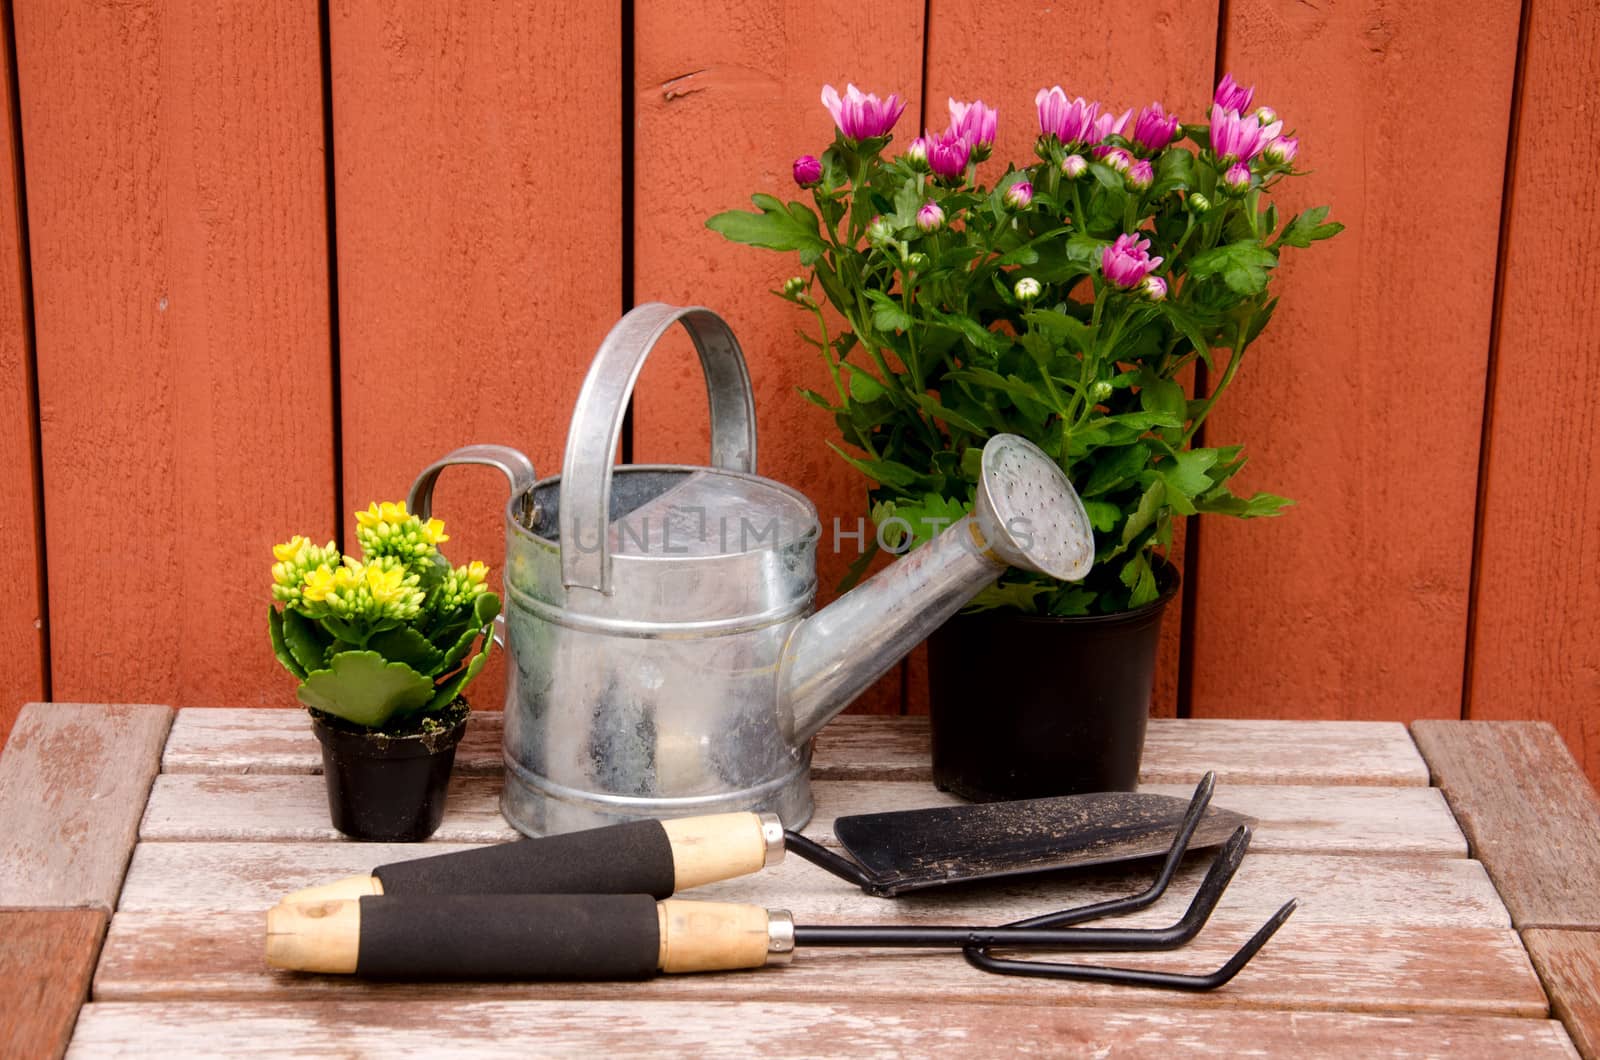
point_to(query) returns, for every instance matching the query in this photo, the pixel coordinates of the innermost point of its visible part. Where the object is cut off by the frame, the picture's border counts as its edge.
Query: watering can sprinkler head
(1029, 514)
(1026, 515)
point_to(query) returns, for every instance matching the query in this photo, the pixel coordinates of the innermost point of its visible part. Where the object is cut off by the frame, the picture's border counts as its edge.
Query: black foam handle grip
(630, 858)
(509, 936)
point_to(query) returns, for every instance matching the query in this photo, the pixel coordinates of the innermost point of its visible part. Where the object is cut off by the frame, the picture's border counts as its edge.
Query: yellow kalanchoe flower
(318, 584)
(433, 532)
(286, 552)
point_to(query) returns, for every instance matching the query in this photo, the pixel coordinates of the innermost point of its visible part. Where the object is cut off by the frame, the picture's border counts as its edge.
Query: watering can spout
(1026, 514)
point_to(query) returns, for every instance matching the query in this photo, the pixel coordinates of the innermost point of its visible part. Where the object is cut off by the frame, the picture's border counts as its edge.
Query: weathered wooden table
(141, 847)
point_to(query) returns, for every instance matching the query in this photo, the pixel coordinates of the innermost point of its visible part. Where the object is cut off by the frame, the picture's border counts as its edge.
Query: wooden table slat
(1291, 819)
(1441, 892)
(1306, 966)
(752, 1028)
(73, 783)
(852, 747)
(1528, 812)
(46, 959)
(1569, 964)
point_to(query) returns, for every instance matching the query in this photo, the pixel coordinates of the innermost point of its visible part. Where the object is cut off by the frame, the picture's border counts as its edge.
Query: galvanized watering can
(664, 661)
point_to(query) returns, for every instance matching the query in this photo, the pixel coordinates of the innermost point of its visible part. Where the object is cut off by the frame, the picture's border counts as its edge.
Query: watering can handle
(513, 464)
(597, 425)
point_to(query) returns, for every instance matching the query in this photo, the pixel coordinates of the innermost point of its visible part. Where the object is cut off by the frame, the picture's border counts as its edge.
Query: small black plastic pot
(388, 788)
(1029, 706)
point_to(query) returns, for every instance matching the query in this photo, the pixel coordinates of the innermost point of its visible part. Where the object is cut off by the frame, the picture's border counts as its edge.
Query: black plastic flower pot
(389, 788)
(1028, 706)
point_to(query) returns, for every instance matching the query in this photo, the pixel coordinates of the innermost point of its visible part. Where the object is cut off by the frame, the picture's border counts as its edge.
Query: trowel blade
(911, 849)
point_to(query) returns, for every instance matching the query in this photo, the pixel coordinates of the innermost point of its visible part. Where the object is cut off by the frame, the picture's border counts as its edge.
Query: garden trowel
(885, 853)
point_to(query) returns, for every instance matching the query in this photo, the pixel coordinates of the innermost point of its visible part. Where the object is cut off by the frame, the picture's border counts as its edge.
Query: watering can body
(665, 661)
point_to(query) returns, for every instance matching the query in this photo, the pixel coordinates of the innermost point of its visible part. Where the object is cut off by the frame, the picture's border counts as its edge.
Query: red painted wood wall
(259, 267)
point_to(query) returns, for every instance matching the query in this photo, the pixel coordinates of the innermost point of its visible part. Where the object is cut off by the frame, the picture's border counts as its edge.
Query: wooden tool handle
(657, 858)
(604, 936)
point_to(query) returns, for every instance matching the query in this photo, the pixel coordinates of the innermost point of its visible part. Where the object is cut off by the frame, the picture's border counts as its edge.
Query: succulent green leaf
(364, 689)
(485, 608)
(446, 693)
(300, 634)
(406, 645)
(279, 647)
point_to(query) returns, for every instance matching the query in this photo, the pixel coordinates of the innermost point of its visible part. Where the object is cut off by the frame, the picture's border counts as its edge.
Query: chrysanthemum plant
(1062, 302)
(386, 641)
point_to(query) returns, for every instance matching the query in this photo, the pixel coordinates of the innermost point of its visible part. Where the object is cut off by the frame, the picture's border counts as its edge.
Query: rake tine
(979, 957)
(1169, 868)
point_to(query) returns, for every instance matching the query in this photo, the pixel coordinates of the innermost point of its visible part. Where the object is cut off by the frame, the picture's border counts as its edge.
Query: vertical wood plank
(174, 167)
(479, 200)
(726, 100)
(1138, 54)
(1536, 645)
(21, 622)
(1363, 401)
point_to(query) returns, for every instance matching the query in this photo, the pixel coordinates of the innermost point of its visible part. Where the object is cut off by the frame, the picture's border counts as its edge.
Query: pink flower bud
(1019, 195)
(1116, 157)
(1266, 115)
(861, 115)
(1154, 128)
(1237, 178)
(1282, 150)
(1069, 121)
(1141, 175)
(1154, 288)
(975, 123)
(808, 171)
(930, 217)
(917, 152)
(948, 155)
(1074, 166)
(1231, 95)
(1127, 261)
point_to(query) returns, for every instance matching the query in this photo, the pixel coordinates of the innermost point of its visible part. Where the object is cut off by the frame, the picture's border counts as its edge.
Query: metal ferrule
(772, 836)
(780, 936)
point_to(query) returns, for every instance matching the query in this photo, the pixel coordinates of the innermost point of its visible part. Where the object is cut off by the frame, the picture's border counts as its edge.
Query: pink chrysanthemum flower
(948, 154)
(1127, 261)
(1069, 121)
(1154, 128)
(1231, 95)
(977, 123)
(862, 115)
(1236, 139)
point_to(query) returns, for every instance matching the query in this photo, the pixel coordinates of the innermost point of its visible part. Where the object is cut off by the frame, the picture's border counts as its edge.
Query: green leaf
(817, 399)
(446, 693)
(1102, 516)
(1140, 579)
(279, 647)
(864, 386)
(775, 227)
(1308, 227)
(364, 689)
(485, 608)
(1261, 505)
(406, 645)
(1150, 505)
(885, 472)
(927, 517)
(1018, 596)
(887, 315)
(1072, 600)
(300, 634)
(950, 417)
(1121, 468)
(1189, 328)
(1186, 471)
(1242, 266)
